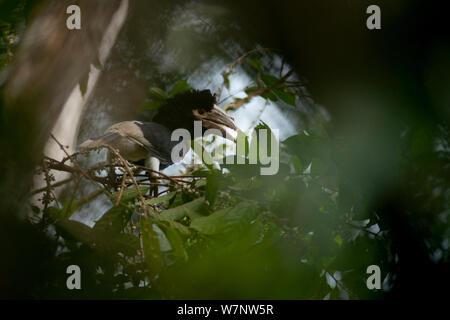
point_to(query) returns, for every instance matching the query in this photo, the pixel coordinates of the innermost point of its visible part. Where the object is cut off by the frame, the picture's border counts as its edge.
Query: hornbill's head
(183, 109)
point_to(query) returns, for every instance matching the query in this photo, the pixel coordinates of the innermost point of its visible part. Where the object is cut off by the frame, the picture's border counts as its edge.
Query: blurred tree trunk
(67, 125)
(48, 67)
(51, 62)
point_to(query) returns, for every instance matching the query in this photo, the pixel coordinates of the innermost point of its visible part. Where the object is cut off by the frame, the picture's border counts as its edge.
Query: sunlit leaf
(255, 64)
(251, 89)
(152, 252)
(270, 95)
(317, 167)
(180, 87)
(179, 212)
(298, 167)
(199, 150)
(158, 94)
(212, 186)
(246, 184)
(176, 241)
(226, 79)
(269, 79)
(235, 219)
(165, 199)
(289, 98)
(338, 240)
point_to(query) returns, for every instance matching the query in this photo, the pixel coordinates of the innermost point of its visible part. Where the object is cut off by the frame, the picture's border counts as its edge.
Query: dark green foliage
(241, 235)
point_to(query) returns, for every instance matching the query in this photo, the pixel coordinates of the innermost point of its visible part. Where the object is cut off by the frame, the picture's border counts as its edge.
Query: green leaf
(263, 125)
(187, 209)
(199, 150)
(317, 167)
(129, 194)
(176, 241)
(125, 243)
(269, 79)
(299, 168)
(158, 94)
(255, 64)
(236, 219)
(288, 98)
(241, 170)
(152, 252)
(181, 228)
(116, 218)
(113, 220)
(180, 87)
(226, 79)
(68, 212)
(165, 199)
(53, 213)
(270, 95)
(241, 136)
(150, 105)
(200, 183)
(251, 89)
(75, 230)
(212, 186)
(254, 144)
(307, 147)
(200, 173)
(338, 240)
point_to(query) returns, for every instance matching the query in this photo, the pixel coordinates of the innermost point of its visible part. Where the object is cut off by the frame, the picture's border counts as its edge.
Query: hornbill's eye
(201, 111)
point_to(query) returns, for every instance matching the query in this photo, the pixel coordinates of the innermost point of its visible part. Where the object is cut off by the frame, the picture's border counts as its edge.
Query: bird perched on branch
(150, 142)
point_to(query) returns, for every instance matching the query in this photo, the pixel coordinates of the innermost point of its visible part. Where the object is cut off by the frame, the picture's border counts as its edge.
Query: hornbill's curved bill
(151, 142)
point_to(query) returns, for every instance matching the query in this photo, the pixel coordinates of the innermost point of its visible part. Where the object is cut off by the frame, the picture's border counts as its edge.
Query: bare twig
(72, 158)
(130, 173)
(53, 186)
(69, 207)
(182, 181)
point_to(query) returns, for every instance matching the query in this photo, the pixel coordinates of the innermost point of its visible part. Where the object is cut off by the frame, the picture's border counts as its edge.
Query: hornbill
(150, 142)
